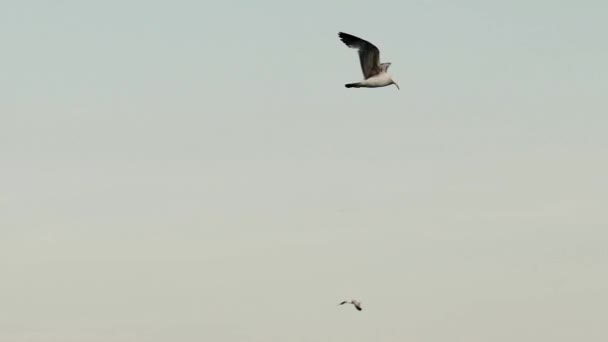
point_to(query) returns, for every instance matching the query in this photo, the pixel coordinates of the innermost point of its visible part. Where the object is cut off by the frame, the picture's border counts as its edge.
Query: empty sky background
(196, 171)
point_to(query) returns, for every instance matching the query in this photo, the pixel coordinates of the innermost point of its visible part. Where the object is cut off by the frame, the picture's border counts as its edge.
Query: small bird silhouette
(354, 302)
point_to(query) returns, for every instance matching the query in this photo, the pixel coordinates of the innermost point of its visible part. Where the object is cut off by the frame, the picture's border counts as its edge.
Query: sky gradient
(196, 171)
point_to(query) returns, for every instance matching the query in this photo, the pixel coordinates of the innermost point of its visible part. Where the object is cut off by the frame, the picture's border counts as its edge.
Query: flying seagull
(356, 303)
(374, 72)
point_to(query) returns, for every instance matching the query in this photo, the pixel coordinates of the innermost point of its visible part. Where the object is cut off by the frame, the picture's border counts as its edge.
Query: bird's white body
(380, 80)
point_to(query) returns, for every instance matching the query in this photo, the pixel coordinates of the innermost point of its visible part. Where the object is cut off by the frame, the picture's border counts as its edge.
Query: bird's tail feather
(353, 85)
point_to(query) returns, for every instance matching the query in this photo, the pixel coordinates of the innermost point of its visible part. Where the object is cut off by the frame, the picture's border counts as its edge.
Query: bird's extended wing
(369, 55)
(384, 66)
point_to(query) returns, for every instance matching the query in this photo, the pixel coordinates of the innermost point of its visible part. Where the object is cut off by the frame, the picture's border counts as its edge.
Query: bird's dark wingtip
(347, 39)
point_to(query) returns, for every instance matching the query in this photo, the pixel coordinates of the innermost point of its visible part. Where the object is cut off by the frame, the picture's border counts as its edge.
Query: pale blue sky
(196, 171)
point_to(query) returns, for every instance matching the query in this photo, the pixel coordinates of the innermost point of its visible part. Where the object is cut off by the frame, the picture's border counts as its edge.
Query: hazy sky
(196, 171)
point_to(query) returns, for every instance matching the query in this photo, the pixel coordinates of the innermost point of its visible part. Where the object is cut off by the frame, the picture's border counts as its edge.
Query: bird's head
(395, 83)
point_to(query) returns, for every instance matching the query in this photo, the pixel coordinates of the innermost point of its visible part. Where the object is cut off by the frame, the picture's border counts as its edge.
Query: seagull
(369, 56)
(354, 302)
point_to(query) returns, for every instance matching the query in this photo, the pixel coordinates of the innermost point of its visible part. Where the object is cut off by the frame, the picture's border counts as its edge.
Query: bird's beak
(396, 85)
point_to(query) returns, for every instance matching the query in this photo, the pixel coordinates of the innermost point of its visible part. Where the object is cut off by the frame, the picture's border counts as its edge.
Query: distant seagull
(369, 56)
(356, 303)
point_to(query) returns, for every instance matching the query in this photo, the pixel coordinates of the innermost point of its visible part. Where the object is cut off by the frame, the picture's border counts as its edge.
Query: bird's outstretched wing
(384, 66)
(369, 55)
